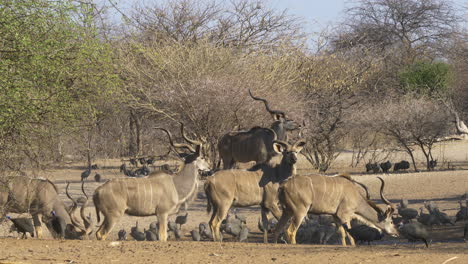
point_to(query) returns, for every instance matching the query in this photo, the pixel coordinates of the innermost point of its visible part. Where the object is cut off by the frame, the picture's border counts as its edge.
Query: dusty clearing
(442, 187)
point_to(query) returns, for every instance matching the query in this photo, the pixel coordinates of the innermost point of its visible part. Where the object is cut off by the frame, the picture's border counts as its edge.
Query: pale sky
(317, 14)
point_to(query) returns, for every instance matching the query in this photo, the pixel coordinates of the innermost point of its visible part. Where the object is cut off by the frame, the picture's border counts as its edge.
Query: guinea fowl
(181, 219)
(122, 235)
(365, 233)
(137, 233)
(195, 235)
(23, 225)
(58, 225)
(244, 234)
(205, 231)
(85, 174)
(150, 235)
(408, 214)
(414, 232)
(462, 214)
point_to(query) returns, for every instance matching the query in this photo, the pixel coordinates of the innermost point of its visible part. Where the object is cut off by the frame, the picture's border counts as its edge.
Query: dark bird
(154, 225)
(58, 225)
(386, 166)
(372, 167)
(181, 220)
(427, 219)
(325, 232)
(133, 162)
(142, 161)
(137, 233)
(85, 174)
(205, 230)
(97, 177)
(151, 236)
(195, 235)
(22, 225)
(122, 234)
(365, 233)
(141, 172)
(402, 165)
(172, 226)
(123, 167)
(242, 218)
(244, 234)
(233, 229)
(94, 167)
(150, 161)
(177, 233)
(462, 214)
(443, 217)
(408, 213)
(414, 232)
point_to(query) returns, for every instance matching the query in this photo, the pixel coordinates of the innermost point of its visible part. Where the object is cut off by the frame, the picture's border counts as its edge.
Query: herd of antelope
(273, 183)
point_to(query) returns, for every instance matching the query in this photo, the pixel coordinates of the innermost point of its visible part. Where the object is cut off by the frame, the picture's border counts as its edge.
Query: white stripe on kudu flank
(151, 188)
(324, 189)
(313, 194)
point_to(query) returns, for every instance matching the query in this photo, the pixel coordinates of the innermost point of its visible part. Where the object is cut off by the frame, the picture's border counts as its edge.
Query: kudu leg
(38, 225)
(107, 226)
(295, 224)
(162, 223)
(215, 224)
(265, 225)
(282, 222)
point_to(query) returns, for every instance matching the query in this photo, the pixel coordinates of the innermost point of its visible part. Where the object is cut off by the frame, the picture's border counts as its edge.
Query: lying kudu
(40, 198)
(256, 186)
(338, 196)
(158, 194)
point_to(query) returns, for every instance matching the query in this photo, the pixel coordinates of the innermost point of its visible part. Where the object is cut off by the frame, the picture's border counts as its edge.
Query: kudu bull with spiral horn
(338, 196)
(40, 198)
(256, 186)
(158, 194)
(255, 144)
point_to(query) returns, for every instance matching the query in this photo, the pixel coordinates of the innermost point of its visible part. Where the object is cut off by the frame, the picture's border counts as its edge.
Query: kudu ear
(278, 148)
(299, 145)
(277, 117)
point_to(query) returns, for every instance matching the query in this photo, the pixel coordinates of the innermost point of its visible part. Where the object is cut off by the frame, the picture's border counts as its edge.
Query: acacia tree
(411, 123)
(332, 85)
(51, 66)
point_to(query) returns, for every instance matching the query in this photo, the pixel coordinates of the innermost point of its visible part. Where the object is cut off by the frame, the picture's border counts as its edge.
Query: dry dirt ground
(442, 187)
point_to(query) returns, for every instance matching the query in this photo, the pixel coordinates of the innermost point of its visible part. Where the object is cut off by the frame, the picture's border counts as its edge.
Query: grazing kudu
(40, 198)
(158, 194)
(256, 143)
(338, 196)
(256, 186)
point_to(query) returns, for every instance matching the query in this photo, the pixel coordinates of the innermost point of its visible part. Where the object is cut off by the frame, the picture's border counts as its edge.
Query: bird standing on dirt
(195, 235)
(22, 225)
(244, 234)
(181, 219)
(85, 174)
(122, 235)
(414, 232)
(137, 233)
(150, 235)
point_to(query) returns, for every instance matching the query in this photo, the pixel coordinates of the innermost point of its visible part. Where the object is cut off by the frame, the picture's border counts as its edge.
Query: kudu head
(281, 124)
(76, 230)
(289, 156)
(195, 155)
(385, 216)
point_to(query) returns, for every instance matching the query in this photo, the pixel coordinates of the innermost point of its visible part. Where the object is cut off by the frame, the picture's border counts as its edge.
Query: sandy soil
(442, 187)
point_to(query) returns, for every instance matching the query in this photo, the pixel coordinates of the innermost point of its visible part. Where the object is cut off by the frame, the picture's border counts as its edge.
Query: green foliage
(53, 67)
(428, 79)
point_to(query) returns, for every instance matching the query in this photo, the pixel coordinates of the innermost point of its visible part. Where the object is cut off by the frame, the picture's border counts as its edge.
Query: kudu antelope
(158, 194)
(40, 198)
(256, 186)
(256, 143)
(338, 196)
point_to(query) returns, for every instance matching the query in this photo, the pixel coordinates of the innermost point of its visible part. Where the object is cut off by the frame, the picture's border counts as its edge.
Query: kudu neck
(186, 181)
(369, 214)
(280, 131)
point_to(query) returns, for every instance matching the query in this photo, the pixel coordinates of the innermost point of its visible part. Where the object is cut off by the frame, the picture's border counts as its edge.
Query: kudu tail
(209, 202)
